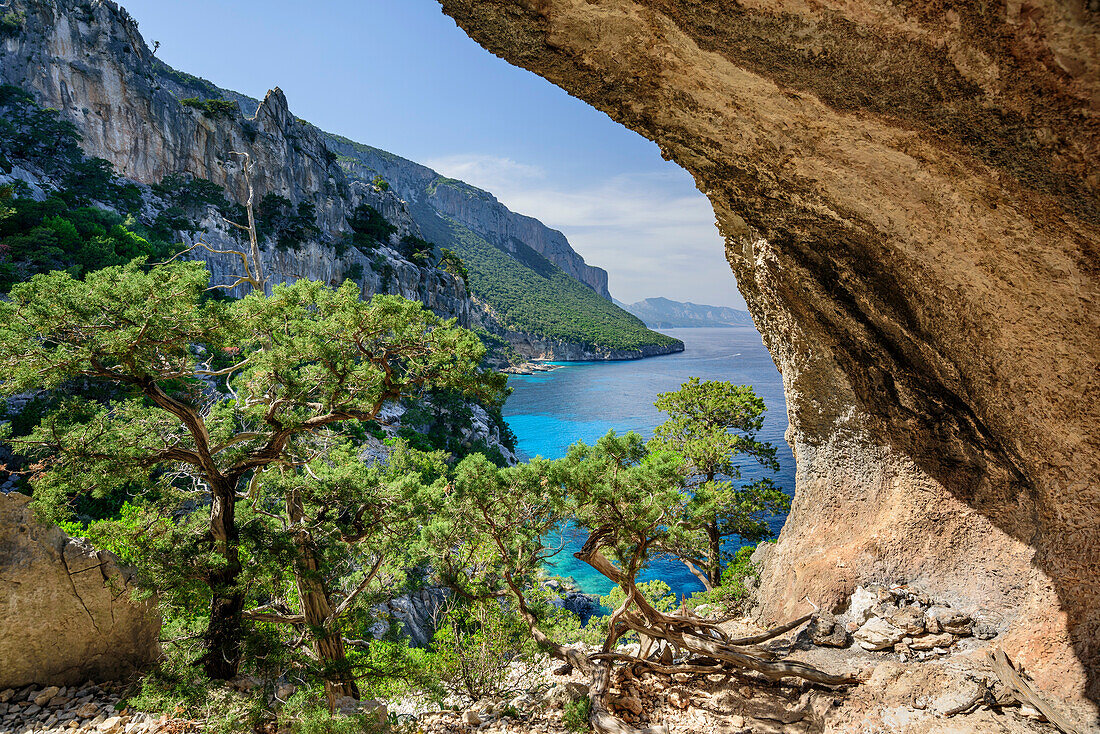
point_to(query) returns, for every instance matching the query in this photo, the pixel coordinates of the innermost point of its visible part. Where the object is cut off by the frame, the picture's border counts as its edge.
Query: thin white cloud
(485, 171)
(652, 236)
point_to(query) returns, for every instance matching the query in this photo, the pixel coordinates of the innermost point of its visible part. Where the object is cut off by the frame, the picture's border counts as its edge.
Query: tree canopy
(299, 361)
(712, 424)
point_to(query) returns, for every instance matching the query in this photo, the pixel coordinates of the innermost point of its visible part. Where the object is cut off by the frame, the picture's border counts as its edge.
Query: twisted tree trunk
(222, 639)
(317, 609)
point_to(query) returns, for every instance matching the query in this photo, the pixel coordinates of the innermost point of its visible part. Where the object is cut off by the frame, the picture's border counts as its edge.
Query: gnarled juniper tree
(303, 360)
(712, 424)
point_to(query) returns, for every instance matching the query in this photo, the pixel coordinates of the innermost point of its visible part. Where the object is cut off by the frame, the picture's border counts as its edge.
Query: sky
(400, 75)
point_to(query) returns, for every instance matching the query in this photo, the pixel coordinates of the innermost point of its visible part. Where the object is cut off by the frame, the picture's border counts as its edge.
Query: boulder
(878, 634)
(65, 607)
(910, 619)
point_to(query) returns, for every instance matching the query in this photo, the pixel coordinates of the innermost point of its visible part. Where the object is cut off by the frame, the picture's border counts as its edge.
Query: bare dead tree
(251, 261)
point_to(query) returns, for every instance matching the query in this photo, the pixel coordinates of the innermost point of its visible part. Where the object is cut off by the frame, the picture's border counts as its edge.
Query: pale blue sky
(400, 75)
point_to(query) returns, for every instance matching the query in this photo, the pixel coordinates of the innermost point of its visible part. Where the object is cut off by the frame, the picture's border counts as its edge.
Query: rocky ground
(922, 668)
(87, 708)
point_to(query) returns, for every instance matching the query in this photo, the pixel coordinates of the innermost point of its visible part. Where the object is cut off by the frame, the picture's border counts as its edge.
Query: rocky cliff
(909, 196)
(470, 206)
(87, 59)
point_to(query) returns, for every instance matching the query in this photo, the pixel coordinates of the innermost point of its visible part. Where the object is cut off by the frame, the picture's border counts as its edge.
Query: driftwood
(1025, 693)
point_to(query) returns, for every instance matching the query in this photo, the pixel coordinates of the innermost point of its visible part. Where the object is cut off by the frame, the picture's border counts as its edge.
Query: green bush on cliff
(40, 236)
(33, 134)
(214, 108)
(11, 23)
(369, 228)
(289, 226)
(452, 263)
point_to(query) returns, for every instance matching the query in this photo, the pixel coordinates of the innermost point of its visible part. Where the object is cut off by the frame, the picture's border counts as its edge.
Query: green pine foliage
(213, 108)
(713, 425)
(40, 236)
(289, 226)
(369, 228)
(452, 263)
(530, 294)
(11, 23)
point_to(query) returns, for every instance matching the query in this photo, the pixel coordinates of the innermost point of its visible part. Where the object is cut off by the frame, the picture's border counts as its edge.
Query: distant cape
(663, 313)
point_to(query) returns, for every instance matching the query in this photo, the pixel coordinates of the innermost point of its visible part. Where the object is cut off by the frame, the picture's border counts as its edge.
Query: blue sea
(581, 401)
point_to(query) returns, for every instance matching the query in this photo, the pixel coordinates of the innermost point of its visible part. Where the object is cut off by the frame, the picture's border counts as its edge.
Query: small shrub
(452, 263)
(304, 714)
(380, 183)
(475, 647)
(575, 715)
(733, 596)
(277, 218)
(370, 228)
(354, 272)
(213, 108)
(415, 249)
(11, 23)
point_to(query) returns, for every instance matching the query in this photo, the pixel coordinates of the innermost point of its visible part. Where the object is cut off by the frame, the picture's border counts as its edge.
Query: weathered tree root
(1025, 693)
(712, 657)
(684, 633)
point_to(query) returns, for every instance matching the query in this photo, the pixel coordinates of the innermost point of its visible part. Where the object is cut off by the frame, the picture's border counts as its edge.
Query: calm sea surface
(582, 401)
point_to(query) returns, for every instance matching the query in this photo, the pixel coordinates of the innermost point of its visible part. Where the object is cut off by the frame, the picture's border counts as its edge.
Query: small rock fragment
(45, 695)
(87, 710)
(930, 642)
(878, 634)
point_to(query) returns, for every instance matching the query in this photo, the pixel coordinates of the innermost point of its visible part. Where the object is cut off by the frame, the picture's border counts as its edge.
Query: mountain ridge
(89, 61)
(664, 313)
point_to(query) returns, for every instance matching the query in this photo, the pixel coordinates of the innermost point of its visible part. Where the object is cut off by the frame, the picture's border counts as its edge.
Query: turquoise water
(582, 401)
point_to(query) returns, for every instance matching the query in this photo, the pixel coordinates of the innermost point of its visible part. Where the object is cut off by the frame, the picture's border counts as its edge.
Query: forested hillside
(530, 294)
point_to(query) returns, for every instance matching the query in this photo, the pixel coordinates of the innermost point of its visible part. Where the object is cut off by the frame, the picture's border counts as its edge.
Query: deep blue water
(582, 401)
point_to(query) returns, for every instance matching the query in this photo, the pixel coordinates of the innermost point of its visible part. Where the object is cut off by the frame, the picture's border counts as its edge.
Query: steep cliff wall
(474, 208)
(87, 59)
(909, 196)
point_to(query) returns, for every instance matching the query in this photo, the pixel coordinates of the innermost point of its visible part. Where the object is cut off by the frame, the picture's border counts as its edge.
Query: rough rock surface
(89, 61)
(909, 196)
(65, 608)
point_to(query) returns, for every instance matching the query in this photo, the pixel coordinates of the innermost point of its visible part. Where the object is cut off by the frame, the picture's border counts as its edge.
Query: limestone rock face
(65, 608)
(909, 196)
(87, 59)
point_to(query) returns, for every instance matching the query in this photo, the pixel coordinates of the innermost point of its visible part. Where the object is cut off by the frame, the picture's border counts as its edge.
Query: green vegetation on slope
(531, 294)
